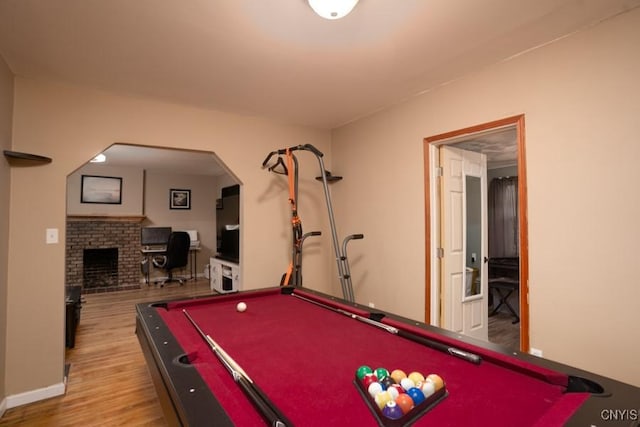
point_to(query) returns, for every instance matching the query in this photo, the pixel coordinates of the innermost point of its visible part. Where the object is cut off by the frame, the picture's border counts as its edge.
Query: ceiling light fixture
(100, 158)
(332, 9)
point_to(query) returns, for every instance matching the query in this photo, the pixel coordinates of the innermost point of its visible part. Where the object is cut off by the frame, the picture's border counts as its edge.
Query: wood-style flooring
(503, 332)
(108, 382)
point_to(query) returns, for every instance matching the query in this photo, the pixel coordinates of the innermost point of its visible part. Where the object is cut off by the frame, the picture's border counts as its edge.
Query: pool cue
(453, 351)
(267, 409)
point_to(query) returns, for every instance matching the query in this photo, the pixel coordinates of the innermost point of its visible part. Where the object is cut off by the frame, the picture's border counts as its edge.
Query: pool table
(302, 351)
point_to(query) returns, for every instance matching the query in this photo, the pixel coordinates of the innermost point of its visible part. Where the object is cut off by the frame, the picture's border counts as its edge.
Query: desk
(150, 252)
(304, 357)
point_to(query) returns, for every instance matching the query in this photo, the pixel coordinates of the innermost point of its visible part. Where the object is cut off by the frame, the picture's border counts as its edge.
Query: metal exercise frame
(342, 261)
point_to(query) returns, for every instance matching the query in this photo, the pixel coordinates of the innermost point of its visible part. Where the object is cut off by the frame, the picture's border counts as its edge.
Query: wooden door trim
(518, 121)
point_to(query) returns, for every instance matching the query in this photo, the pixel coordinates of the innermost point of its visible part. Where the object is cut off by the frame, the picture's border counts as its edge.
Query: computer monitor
(152, 236)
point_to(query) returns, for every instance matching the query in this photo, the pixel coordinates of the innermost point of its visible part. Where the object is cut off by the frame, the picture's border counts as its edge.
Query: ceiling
(163, 160)
(500, 146)
(276, 58)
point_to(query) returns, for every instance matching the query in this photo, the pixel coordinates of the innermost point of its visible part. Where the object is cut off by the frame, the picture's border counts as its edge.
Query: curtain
(503, 217)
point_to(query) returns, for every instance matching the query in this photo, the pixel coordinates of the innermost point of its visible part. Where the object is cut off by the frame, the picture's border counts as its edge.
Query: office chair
(176, 256)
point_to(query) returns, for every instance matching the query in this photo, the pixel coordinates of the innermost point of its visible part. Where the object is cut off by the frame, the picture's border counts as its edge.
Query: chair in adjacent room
(175, 257)
(504, 279)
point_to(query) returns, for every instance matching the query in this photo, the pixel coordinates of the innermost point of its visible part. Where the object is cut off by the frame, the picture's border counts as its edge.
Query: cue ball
(241, 307)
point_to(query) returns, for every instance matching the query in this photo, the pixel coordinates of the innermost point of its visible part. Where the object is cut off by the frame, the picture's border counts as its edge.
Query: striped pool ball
(392, 411)
(382, 399)
(428, 388)
(407, 383)
(437, 381)
(368, 379)
(381, 373)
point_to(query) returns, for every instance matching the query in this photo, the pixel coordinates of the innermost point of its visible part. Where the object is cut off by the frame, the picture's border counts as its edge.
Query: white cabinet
(224, 276)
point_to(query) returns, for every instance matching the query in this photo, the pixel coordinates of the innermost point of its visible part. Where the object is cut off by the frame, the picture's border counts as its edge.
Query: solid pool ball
(437, 381)
(416, 395)
(387, 382)
(416, 377)
(398, 375)
(374, 389)
(405, 403)
(381, 373)
(382, 399)
(392, 411)
(241, 307)
(362, 371)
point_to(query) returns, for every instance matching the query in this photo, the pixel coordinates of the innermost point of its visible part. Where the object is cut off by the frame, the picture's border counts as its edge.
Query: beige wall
(580, 97)
(6, 112)
(147, 194)
(201, 217)
(132, 191)
(70, 125)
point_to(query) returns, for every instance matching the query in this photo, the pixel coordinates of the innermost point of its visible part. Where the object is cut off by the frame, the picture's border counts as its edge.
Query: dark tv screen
(152, 236)
(230, 245)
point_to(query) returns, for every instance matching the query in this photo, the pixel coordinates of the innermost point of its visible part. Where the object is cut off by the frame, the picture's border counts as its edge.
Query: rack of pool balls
(398, 398)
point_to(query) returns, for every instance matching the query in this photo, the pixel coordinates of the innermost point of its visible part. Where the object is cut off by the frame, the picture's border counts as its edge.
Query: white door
(464, 300)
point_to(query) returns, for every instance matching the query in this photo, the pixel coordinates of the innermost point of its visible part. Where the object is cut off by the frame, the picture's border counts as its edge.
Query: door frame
(435, 140)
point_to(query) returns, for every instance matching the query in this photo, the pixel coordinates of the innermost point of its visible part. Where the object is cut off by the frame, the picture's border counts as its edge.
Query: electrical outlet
(535, 352)
(52, 235)
(372, 305)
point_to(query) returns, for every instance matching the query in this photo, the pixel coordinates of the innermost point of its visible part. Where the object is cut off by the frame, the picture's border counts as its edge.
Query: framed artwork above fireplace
(101, 189)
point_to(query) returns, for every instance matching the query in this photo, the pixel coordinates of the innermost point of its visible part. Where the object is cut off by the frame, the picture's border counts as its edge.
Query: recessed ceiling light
(100, 158)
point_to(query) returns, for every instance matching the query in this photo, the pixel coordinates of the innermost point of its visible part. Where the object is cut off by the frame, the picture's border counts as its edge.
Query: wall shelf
(330, 178)
(17, 158)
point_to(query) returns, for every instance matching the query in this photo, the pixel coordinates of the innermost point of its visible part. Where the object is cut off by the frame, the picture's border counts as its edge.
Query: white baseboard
(3, 406)
(35, 395)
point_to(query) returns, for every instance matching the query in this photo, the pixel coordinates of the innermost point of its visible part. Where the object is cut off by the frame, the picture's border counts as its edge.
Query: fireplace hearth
(110, 247)
(99, 268)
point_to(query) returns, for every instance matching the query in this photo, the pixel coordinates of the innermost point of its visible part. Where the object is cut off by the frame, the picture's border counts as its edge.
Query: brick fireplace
(103, 254)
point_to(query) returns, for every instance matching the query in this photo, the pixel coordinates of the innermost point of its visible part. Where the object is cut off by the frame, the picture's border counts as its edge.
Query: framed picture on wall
(101, 189)
(179, 199)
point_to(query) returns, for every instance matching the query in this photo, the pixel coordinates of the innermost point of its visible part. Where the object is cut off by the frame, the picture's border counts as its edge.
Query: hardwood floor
(503, 332)
(108, 382)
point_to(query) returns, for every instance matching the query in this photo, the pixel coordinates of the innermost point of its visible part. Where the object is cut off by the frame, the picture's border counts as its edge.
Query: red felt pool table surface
(304, 357)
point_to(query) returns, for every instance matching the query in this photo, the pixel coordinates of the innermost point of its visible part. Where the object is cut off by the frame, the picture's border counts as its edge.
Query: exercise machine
(294, 272)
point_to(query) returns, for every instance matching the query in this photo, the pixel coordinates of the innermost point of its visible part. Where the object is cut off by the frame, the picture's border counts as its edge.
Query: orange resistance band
(295, 220)
(291, 175)
(292, 188)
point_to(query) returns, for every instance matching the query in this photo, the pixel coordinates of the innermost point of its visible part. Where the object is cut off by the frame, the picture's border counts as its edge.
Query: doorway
(147, 180)
(147, 177)
(476, 139)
